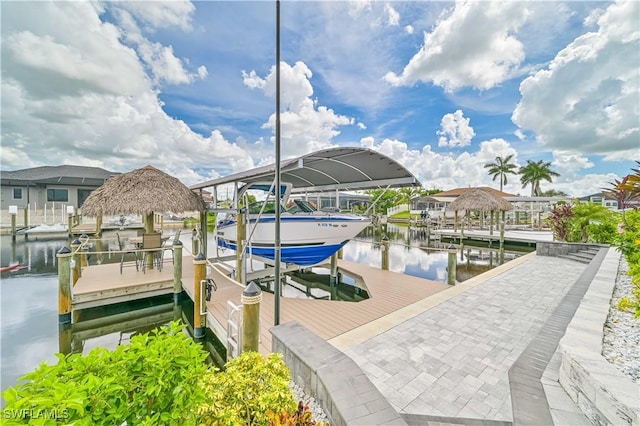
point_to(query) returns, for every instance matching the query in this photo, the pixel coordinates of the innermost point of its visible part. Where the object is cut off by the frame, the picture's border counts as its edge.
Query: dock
(388, 292)
(517, 236)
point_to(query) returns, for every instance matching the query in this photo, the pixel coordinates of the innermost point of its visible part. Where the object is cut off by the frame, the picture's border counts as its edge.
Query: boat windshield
(270, 208)
(301, 206)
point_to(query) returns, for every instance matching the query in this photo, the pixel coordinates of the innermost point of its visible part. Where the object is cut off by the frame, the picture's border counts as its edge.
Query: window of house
(17, 193)
(57, 195)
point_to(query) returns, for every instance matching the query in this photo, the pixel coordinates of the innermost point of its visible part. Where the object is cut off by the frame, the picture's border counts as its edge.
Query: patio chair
(151, 241)
(124, 250)
(165, 247)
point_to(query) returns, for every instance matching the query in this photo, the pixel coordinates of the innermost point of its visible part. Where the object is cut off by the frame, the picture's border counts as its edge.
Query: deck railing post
(177, 271)
(385, 253)
(451, 265)
(64, 285)
(251, 298)
(77, 270)
(199, 320)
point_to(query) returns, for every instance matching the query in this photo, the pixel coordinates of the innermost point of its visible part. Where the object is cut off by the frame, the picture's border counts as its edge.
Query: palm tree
(501, 167)
(535, 172)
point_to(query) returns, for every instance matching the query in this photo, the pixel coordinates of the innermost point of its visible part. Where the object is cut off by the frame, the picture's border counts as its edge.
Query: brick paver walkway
(453, 359)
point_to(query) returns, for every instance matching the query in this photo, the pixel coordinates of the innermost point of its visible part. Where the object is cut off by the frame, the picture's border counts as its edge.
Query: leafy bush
(301, 417)
(248, 390)
(160, 378)
(627, 240)
(156, 379)
(559, 221)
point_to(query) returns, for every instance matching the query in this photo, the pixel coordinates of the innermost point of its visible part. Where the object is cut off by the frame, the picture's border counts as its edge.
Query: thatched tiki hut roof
(478, 200)
(142, 191)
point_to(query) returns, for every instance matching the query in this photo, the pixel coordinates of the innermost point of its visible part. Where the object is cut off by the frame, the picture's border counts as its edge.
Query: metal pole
(276, 318)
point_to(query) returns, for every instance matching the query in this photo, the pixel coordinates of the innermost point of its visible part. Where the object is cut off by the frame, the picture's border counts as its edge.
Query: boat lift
(332, 169)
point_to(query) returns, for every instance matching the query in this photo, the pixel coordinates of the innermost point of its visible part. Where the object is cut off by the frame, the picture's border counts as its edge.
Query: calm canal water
(28, 297)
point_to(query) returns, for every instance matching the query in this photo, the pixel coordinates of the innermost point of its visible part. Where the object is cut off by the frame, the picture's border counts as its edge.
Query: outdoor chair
(165, 247)
(151, 241)
(125, 250)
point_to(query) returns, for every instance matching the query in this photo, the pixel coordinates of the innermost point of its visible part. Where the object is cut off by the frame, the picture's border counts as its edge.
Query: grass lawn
(404, 215)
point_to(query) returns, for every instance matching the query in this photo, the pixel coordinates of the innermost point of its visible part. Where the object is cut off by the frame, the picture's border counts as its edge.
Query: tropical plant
(156, 379)
(384, 199)
(627, 240)
(301, 417)
(584, 215)
(626, 189)
(249, 390)
(559, 221)
(553, 193)
(535, 172)
(501, 167)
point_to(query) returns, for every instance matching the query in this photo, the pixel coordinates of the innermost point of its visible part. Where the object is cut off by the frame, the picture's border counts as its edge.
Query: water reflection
(29, 317)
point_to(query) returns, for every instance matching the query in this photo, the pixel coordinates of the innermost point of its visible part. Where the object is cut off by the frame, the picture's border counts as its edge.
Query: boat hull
(306, 239)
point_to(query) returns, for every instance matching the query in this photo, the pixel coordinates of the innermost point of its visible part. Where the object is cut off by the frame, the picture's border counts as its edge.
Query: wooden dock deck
(389, 291)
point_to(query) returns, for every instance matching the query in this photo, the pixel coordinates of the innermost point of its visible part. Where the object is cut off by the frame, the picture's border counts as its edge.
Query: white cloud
(444, 170)
(455, 130)
(473, 44)
(409, 29)
(161, 61)
(586, 100)
(569, 164)
(305, 125)
(161, 14)
(447, 170)
(64, 99)
(393, 17)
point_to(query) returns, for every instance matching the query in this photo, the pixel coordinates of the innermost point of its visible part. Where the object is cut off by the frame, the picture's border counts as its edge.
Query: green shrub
(154, 380)
(627, 240)
(250, 388)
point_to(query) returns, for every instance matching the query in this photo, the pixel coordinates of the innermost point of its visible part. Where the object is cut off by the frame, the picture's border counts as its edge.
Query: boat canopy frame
(331, 169)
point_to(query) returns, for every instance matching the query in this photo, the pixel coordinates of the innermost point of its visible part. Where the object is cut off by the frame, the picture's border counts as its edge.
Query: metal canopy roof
(329, 169)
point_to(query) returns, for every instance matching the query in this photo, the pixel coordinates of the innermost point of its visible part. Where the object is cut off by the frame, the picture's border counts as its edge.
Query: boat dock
(388, 292)
(517, 236)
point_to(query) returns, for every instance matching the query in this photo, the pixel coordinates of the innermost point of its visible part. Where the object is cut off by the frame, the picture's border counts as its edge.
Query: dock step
(583, 256)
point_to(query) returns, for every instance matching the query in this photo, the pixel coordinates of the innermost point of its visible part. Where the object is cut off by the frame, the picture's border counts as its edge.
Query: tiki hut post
(491, 223)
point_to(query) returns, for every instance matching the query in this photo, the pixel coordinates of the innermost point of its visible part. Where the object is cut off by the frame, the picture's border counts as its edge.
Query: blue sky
(441, 87)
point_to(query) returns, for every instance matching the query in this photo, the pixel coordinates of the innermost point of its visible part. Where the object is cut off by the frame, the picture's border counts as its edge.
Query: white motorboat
(308, 236)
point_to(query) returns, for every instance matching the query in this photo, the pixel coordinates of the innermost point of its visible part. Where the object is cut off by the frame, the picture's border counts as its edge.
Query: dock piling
(385, 253)
(251, 298)
(177, 272)
(64, 285)
(451, 265)
(13, 211)
(199, 307)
